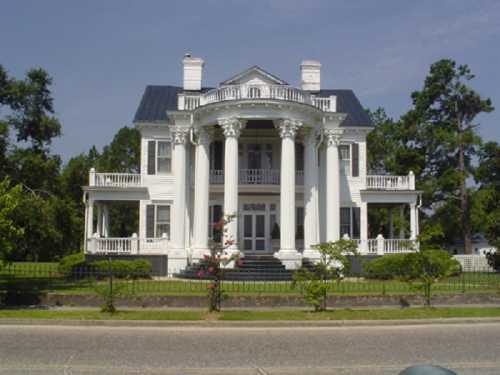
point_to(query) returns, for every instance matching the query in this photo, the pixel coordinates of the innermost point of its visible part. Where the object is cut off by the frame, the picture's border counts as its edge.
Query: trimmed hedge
(386, 267)
(124, 269)
(75, 266)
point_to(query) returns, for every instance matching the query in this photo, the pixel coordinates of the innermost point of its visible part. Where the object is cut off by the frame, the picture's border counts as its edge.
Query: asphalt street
(467, 349)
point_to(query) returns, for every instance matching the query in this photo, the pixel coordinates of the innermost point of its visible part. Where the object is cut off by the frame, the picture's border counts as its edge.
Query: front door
(254, 232)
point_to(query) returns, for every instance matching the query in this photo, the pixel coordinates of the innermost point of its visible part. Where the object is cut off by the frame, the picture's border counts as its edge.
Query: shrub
(493, 258)
(70, 263)
(424, 268)
(123, 269)
(386, 267)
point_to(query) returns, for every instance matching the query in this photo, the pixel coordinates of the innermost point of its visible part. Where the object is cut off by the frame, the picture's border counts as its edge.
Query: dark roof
(347, 102)
(157, 100)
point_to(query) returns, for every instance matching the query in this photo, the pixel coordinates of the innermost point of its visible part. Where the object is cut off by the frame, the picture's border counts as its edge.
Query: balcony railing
(127, 245)
(391, 182)
(381, 246)
(255, 177)
(246, 91)
(121, 180)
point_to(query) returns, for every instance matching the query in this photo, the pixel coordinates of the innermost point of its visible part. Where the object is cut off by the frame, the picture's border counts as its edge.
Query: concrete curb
(243, 324)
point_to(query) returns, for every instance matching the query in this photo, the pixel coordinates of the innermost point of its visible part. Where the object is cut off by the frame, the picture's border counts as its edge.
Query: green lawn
(43, 277)
(339, 314)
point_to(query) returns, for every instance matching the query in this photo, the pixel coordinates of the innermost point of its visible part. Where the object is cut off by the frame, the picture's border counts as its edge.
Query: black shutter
(355, 159)
(356, 222)
(151, 157)
(218, 155)
(150, 221)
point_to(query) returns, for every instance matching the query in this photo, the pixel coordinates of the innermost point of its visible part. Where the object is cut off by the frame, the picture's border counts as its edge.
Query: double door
(254, 231)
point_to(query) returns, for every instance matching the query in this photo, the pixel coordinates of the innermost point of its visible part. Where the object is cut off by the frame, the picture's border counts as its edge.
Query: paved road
(469, 349)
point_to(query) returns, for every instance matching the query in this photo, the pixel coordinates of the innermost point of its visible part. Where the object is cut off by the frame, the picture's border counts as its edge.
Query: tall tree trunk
(464, 202)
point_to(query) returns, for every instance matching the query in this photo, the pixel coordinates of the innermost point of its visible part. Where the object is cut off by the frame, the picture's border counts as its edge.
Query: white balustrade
(127, 245)
(395, 246)
(249, 91)
(389, 182)
(115, 180)
(255, 177)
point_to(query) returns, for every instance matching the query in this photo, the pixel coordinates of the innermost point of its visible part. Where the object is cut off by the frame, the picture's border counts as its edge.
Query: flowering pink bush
(215, 263)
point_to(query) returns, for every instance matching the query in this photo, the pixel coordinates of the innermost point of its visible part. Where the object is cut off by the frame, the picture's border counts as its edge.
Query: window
(164, 158)
(345, 159)
(157, 220)
(299, 219)
(162, 221)
(350, 222)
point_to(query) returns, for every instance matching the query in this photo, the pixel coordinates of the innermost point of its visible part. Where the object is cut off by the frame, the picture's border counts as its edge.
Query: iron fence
(45, 278)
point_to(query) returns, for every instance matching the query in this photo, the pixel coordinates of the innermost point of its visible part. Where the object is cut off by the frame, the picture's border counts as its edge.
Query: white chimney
(193, 68)
(310, 75)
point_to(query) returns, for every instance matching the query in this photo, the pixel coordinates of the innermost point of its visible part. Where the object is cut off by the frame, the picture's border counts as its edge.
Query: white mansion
(289, 163)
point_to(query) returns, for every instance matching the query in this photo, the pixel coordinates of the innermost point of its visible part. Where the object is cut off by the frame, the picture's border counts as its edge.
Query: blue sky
(101, 54)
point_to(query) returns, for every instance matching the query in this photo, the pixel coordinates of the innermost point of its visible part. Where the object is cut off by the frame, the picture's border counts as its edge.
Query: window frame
(345, 163)
(168, 157)
(163, 222)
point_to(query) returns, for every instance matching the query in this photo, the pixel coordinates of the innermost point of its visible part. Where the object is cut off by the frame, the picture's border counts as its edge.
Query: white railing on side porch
(121, 180)
(127, 245)
(381, 246)
(390, 182)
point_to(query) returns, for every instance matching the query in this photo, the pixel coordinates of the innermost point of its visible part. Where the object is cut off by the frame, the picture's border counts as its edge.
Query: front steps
(253, 268)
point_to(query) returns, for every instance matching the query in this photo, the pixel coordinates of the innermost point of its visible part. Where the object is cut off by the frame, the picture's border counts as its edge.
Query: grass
(192, 315)
(43, 277)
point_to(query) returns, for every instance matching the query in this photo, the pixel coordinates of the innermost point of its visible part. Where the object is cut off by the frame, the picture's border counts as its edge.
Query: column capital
(333, 136)
(231, 126)
(288, 128)
(204, 136)
(179, 134)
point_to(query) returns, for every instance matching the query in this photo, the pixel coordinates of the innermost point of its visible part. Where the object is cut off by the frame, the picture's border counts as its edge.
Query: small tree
(424, 268)
(215, 263)
(332, 265)
(10, 198)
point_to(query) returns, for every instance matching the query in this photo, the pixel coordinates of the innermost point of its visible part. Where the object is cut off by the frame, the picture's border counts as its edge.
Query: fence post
(134, 244)
(380, 244)
(411, 180)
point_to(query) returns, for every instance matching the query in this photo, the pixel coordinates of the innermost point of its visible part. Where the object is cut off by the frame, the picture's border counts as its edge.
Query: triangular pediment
(255, 76)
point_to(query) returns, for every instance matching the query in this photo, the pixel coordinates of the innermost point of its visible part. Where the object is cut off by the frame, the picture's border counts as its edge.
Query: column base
(311, 254)
(291, 259)
(177, 260)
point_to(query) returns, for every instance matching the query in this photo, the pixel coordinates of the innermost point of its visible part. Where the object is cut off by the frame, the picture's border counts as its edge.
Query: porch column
(311, 219)
(402, 221)
(201, 191)
(105, 220)
(413, 221)
(332, 185)
(178, 254)
(288, 253)
(231, 128)
(363, 224)
(90, 218)
(99, 220)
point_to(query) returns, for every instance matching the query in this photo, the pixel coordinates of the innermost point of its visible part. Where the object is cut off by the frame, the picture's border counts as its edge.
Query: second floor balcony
(255, 177)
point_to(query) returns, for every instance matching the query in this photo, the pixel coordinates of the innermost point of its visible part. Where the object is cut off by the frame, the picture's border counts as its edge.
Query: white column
(99, 219)
(413, 221)
(311, 218)
(105, 220)
(288, 253)
(363, 224)
(90, 219)
(231, 128)
(177, 259)
(332, 185)
(402, 221)
(201, 192)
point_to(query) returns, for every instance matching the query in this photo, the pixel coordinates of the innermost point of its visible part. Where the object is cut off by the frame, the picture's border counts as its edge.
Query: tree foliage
(10, 198)
(333, 264)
